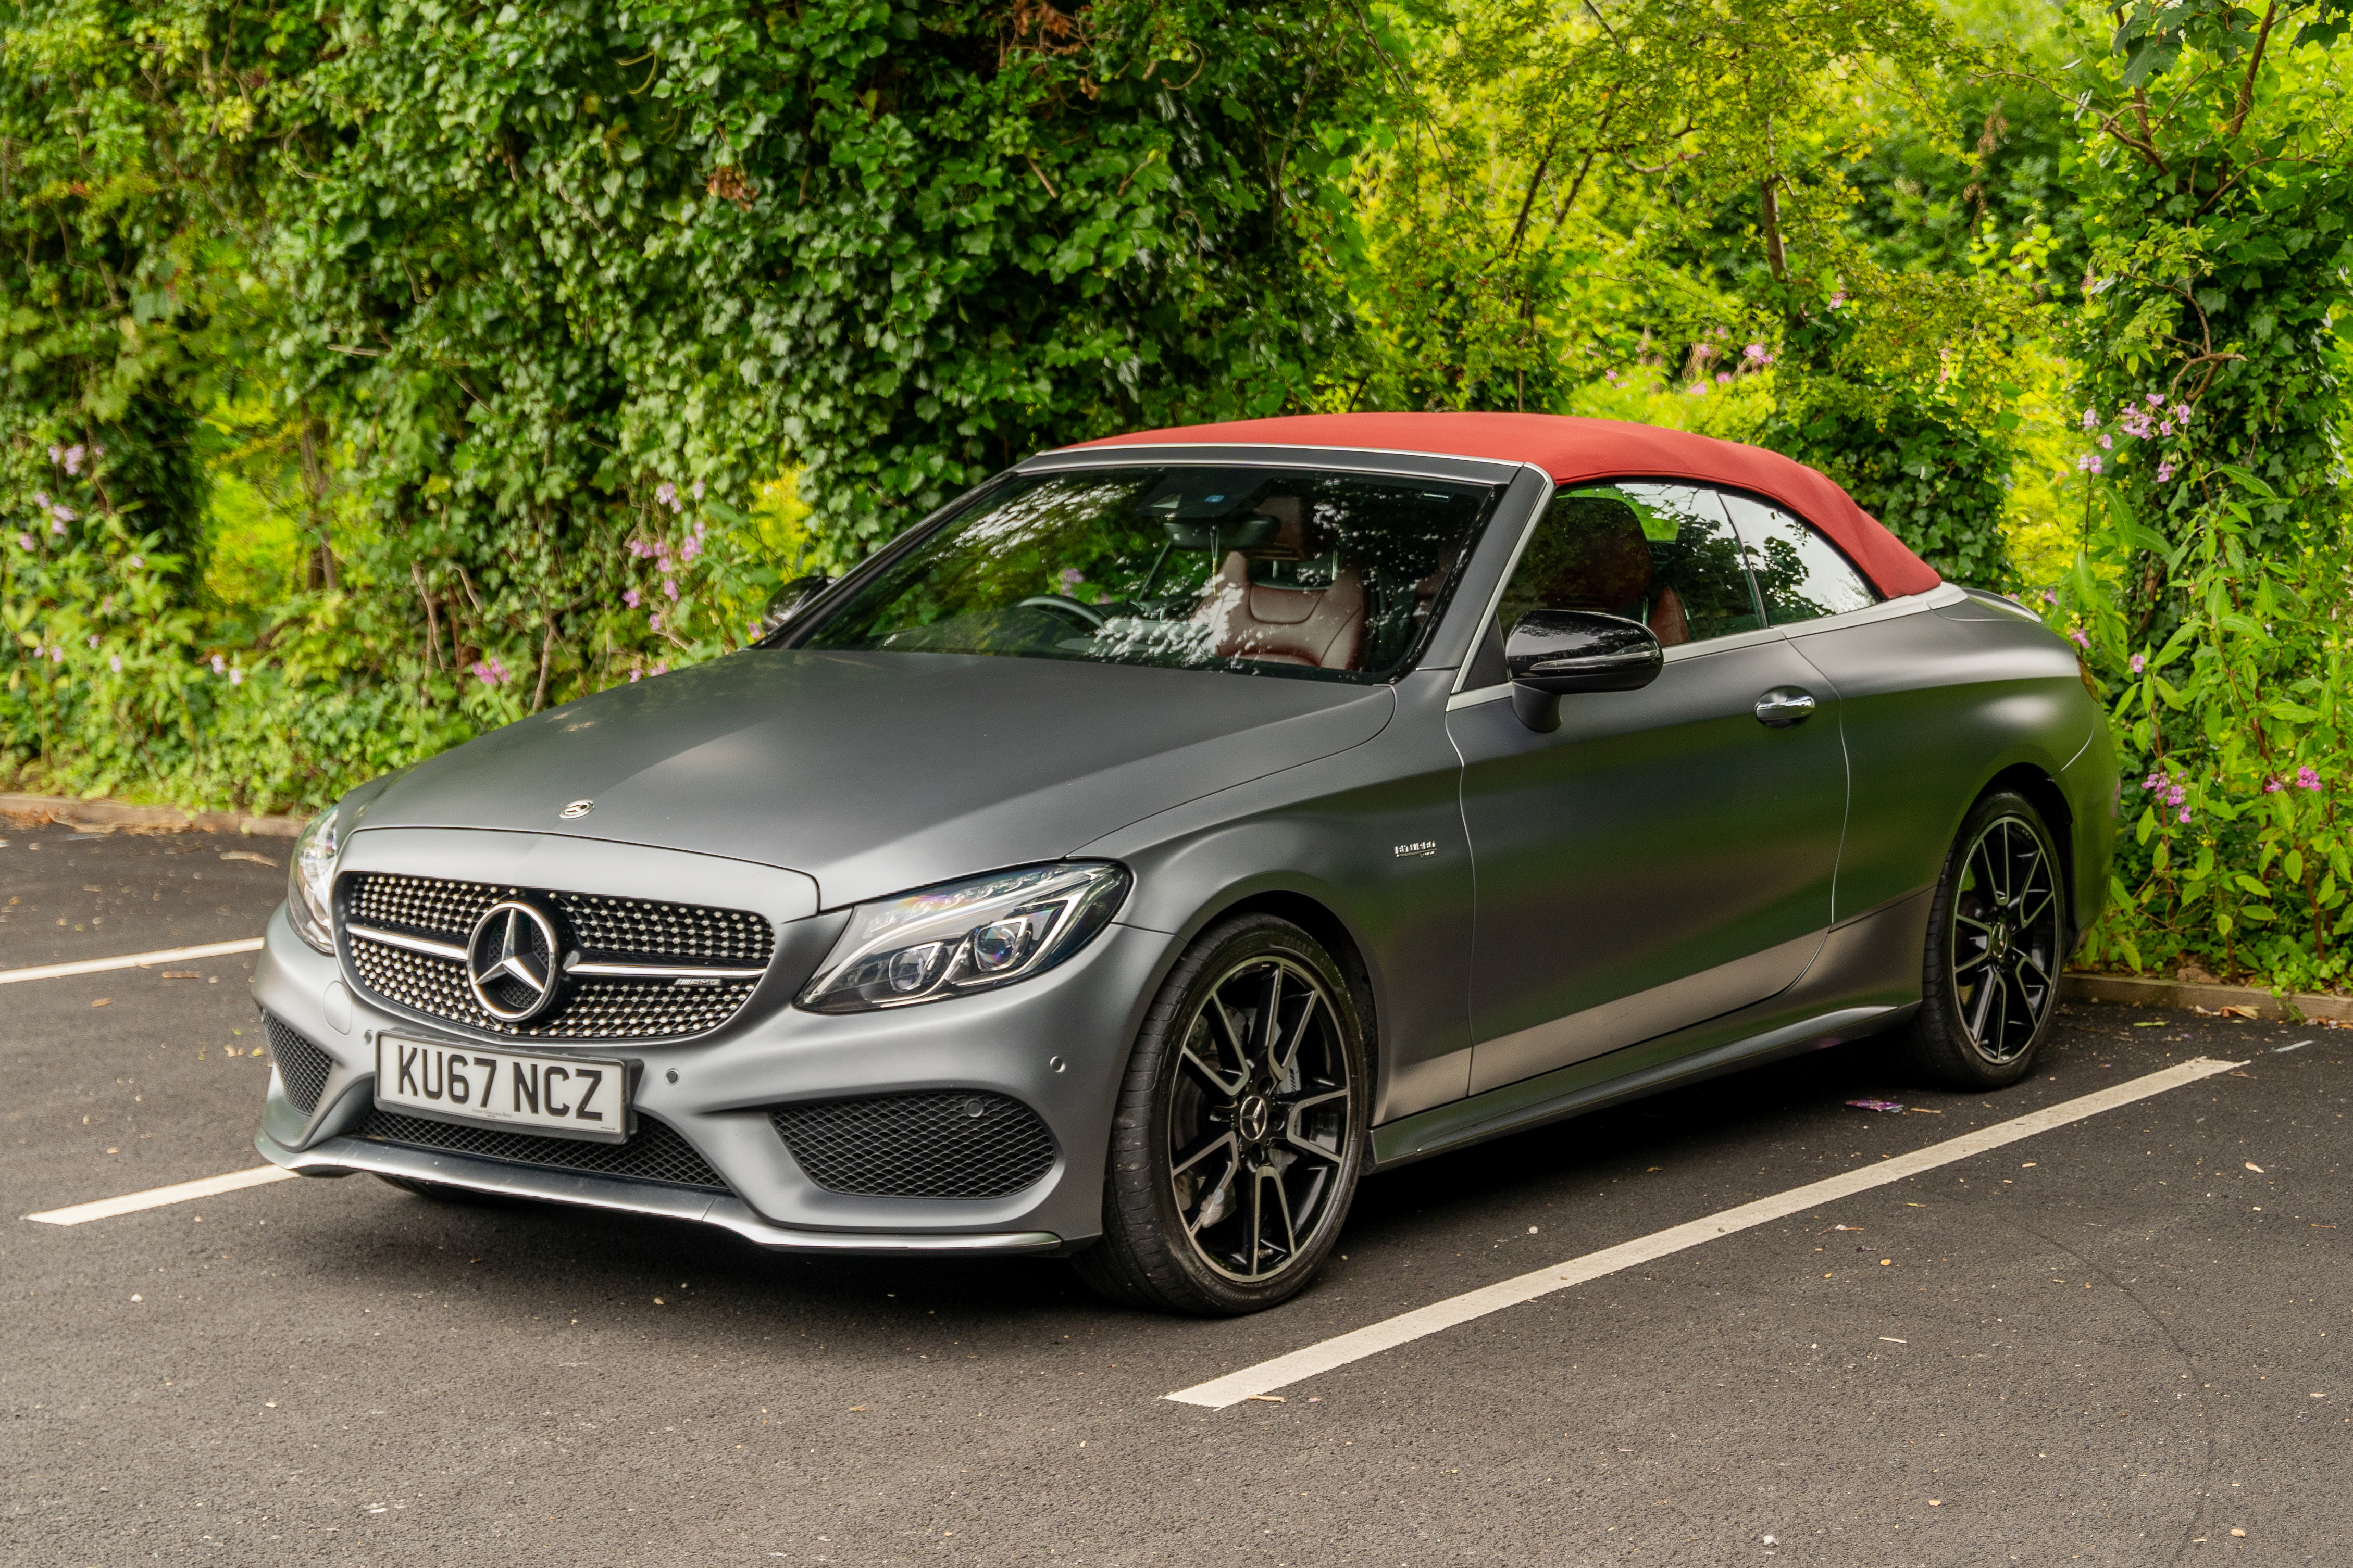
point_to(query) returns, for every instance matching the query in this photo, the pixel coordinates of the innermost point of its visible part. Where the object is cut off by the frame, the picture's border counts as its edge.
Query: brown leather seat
(1322, 627)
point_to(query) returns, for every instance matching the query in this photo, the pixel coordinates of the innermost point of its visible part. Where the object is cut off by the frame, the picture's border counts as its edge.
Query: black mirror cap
(791, 599)
(1556, 652)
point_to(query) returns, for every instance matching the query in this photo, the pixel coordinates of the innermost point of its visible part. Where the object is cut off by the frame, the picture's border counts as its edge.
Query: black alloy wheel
(1242, 1127)
(1997, 943)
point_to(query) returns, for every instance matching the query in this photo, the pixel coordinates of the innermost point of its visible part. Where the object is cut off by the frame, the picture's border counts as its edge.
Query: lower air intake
(303, 1065)
(655, 1153)
(945, 1144)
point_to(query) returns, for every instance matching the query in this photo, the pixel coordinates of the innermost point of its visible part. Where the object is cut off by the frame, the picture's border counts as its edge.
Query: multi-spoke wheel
(1240, 1128)
(1997, 941)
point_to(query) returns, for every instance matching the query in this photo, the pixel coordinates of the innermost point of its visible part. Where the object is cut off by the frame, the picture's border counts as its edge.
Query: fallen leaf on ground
(1265, 1398)
(102, 1001)
(249, 855)
(2258, 1170)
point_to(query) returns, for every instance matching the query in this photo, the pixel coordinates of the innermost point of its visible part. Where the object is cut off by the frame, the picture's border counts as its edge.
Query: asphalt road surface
(2120, 1343)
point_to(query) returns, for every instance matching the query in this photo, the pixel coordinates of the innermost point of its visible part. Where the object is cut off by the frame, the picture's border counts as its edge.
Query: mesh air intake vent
(303, 1067)
(655, 1153)
(951, 1143)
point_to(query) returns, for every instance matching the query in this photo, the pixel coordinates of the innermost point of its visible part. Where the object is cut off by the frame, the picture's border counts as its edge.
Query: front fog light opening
(966, 936)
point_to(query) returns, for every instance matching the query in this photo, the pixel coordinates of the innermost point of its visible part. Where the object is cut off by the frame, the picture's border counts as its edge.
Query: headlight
(310, 882)
(966, 936)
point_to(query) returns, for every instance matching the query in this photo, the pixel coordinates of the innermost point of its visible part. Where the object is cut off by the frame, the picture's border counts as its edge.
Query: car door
(1666, 854)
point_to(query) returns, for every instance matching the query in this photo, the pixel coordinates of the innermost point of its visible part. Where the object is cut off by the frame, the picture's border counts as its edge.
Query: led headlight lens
(311, 881)
(967, 936)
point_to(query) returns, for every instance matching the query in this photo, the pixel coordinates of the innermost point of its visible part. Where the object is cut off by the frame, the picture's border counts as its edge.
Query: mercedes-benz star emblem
(577, 808)
(512, 960)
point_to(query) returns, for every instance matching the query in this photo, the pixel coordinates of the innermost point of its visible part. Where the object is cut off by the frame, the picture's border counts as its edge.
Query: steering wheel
(1085, 615)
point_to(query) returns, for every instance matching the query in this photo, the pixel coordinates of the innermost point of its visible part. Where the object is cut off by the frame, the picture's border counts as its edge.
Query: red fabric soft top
(1573, 450)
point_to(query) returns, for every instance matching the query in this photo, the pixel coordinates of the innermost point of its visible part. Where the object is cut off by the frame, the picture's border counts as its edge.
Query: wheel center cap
(1252, 1120)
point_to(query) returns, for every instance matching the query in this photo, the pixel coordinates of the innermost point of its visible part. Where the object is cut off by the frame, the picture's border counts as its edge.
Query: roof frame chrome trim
(1352, 460)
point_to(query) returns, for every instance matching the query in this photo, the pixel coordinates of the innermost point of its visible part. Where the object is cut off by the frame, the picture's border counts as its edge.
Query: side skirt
(1865, 982)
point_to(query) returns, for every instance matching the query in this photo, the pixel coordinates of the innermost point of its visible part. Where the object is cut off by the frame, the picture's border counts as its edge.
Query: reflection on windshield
(1251, 570)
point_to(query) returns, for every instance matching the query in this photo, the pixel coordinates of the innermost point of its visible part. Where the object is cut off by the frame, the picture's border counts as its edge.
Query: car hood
(874, 773)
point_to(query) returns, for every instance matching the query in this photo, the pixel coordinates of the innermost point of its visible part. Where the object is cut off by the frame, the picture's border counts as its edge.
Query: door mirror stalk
(1552, 653)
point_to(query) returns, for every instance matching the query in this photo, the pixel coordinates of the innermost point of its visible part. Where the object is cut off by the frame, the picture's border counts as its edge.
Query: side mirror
(791, 599)
(1552, 652)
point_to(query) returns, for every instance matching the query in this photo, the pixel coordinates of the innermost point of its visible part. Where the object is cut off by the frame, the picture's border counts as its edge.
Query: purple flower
(1070, 578)
(2077, 636)
(2181, 414)
(2091, 418)
(219, 664)
(57, 520)
(2049, 597)
(41, 499)
(2175, 795)
(2165, 470)
(666, 494)
(2090, 462)
(2307, 777)
(2184, 817)
(1755, 354)
(633, 677)
(1838, 299)
(2139, 661)
(661, 670)
(137, 564)
(670, 586)
(698, 490)
(73, 456)
(490, 672)
(24, 541)
(2273, 785)
(2155, 399)
(1696, 389)
(93, 639)
(653, 620)
(56, 452)
(237, 678)
(630, 598)
(1724, 378)
(115, 663)
(2107, 443)
(2154, 781)
(688, 550)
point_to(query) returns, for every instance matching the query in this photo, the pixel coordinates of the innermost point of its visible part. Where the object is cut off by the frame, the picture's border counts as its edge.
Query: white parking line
(1374, 1338)
(129, 961)
(131, 1203)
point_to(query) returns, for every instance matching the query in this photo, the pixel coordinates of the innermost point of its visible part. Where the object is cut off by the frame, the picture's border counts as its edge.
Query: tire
(1235, 1149)
(1996, 942)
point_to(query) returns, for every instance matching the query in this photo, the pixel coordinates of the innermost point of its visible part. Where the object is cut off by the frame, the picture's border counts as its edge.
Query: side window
(1659, 553)
(1800, 574)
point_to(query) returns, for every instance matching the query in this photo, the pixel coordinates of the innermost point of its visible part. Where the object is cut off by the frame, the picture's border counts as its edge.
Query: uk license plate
(567, 1096)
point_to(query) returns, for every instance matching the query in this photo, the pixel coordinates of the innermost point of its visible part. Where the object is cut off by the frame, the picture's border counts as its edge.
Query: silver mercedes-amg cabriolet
(1131, 854)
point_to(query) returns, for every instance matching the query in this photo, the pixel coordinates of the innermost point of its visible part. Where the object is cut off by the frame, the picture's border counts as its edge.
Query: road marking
(129, 961)
(1374, 1338)
(131, 1203)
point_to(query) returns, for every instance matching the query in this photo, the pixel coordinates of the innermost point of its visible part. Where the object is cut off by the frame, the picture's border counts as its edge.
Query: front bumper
(1058, 1043)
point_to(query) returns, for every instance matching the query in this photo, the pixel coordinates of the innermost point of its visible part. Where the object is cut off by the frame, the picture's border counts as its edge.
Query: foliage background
(369, 377)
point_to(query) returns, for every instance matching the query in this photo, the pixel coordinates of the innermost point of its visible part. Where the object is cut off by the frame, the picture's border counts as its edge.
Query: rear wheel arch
(2043, 792)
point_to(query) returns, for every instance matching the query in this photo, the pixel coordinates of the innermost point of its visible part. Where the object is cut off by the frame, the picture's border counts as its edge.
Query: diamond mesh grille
(303, 1066)
(655, 1153)
(945, 1144)
(613, 930)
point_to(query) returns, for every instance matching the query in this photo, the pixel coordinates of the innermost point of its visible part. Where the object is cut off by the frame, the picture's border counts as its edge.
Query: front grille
(654, 1152)
(303, 1065)
(606, 930)
(947, 1145)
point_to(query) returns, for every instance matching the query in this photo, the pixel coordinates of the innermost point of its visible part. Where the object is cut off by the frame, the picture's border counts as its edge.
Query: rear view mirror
(790, 600)
(1552, 653)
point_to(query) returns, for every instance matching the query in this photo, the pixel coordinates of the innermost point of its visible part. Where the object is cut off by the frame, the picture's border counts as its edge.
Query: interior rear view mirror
(791, 599)
(1552, 653)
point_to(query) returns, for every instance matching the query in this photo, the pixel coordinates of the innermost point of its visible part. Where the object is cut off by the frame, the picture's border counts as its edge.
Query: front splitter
(344, 1156)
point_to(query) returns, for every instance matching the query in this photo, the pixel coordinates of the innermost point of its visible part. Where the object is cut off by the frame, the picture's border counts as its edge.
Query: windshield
(1253, 570)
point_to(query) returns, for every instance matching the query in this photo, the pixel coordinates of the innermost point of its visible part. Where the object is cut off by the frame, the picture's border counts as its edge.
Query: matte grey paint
(1649, 894)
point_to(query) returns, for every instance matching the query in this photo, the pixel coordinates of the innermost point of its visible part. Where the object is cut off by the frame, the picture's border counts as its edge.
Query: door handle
(1784, 706)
